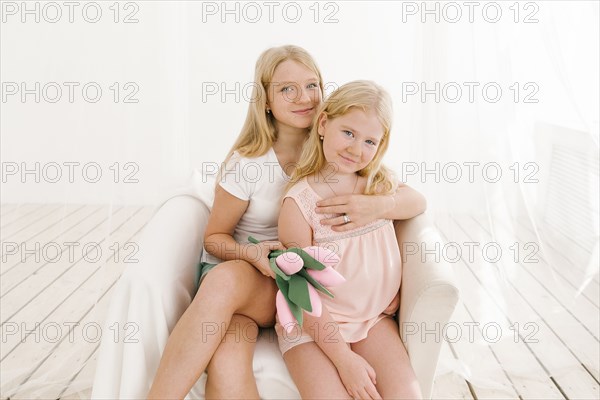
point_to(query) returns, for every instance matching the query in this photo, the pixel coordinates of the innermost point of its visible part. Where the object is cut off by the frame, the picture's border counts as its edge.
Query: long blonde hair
(258, 133)
(366, 95)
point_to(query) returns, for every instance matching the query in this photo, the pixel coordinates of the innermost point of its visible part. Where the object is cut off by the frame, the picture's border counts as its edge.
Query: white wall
(177, 48)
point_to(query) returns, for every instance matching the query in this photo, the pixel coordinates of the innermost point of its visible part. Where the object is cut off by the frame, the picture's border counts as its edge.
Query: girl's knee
(230, 275)
(411, 391)
(242, 328)
(233, 358)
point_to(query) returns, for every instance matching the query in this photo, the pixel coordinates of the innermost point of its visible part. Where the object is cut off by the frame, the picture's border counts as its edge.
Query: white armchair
(155, 292)
(428, 296)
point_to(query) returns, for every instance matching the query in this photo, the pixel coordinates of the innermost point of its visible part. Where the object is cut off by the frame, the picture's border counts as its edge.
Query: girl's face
(293, 96)
(350, 141)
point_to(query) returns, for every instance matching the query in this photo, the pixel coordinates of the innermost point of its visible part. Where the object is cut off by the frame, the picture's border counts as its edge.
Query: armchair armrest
(428, 296)
(152, 295)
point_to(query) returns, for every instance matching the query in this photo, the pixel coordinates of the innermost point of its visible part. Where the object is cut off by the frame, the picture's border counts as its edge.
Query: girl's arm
(355, 372)
(405, 203)
(218, 238)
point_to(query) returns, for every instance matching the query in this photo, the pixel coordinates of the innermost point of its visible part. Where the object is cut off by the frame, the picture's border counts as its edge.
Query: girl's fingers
(372, 374)
(329, 221)
(364, 394)
(334, 201)
(337, 209)
(344, 227)
(372, 391)
(270, 243)
(274, 245)
(267, 271)
(336, 221)
(351, 393)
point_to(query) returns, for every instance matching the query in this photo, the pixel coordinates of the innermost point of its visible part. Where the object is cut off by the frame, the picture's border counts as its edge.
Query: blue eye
(371, 143)
(312, 85)
(348, 133)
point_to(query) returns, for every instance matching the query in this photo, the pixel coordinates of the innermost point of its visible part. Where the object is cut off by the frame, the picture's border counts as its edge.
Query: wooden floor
(527, 326)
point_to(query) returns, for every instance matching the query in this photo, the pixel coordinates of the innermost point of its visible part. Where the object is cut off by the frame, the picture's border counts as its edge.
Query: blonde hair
(258, 132)
(366, 95)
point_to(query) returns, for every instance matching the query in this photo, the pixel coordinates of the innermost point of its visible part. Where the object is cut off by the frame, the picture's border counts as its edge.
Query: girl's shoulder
(297, 188)
(305, 198)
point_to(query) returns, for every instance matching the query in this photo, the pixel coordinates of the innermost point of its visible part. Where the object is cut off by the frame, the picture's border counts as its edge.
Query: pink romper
(370, 262)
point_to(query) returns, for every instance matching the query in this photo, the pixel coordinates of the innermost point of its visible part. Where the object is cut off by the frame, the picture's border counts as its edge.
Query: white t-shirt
(261, 181)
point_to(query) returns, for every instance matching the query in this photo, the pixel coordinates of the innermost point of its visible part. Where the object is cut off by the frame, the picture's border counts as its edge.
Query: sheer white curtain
(554, 66)
(500, 97)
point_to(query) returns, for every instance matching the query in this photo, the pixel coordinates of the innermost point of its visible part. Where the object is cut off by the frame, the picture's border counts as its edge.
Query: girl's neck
(290, 140)
(330, 171)
(338, 183)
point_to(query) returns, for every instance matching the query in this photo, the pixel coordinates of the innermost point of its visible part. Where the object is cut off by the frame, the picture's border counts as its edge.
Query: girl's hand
(360, 208)
(394, 305)
(358, 376)
(258, 255)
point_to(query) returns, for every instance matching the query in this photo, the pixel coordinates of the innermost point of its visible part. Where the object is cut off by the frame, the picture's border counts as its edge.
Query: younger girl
(354, 348)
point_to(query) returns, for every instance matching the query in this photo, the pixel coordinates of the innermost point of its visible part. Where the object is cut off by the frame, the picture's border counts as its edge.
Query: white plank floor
(527, 326)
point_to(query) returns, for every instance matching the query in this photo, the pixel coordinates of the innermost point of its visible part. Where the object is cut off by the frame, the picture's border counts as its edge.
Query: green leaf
(296, 310)
(303, 273)
(299, 292)
(283, 285)
(276, 269)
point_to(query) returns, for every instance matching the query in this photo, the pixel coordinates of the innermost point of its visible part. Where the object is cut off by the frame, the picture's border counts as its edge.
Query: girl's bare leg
(230, 372)
(313, 373)
(231, 287)
(383, 349)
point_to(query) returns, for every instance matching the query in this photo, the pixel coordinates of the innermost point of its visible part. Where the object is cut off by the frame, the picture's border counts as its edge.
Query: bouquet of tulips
(299, 273)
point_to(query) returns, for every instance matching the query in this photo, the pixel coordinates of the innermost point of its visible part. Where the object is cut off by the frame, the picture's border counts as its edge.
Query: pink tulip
(315, 302)
(328, 277)
(325, 256)
(289, 262)
(286, 318)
